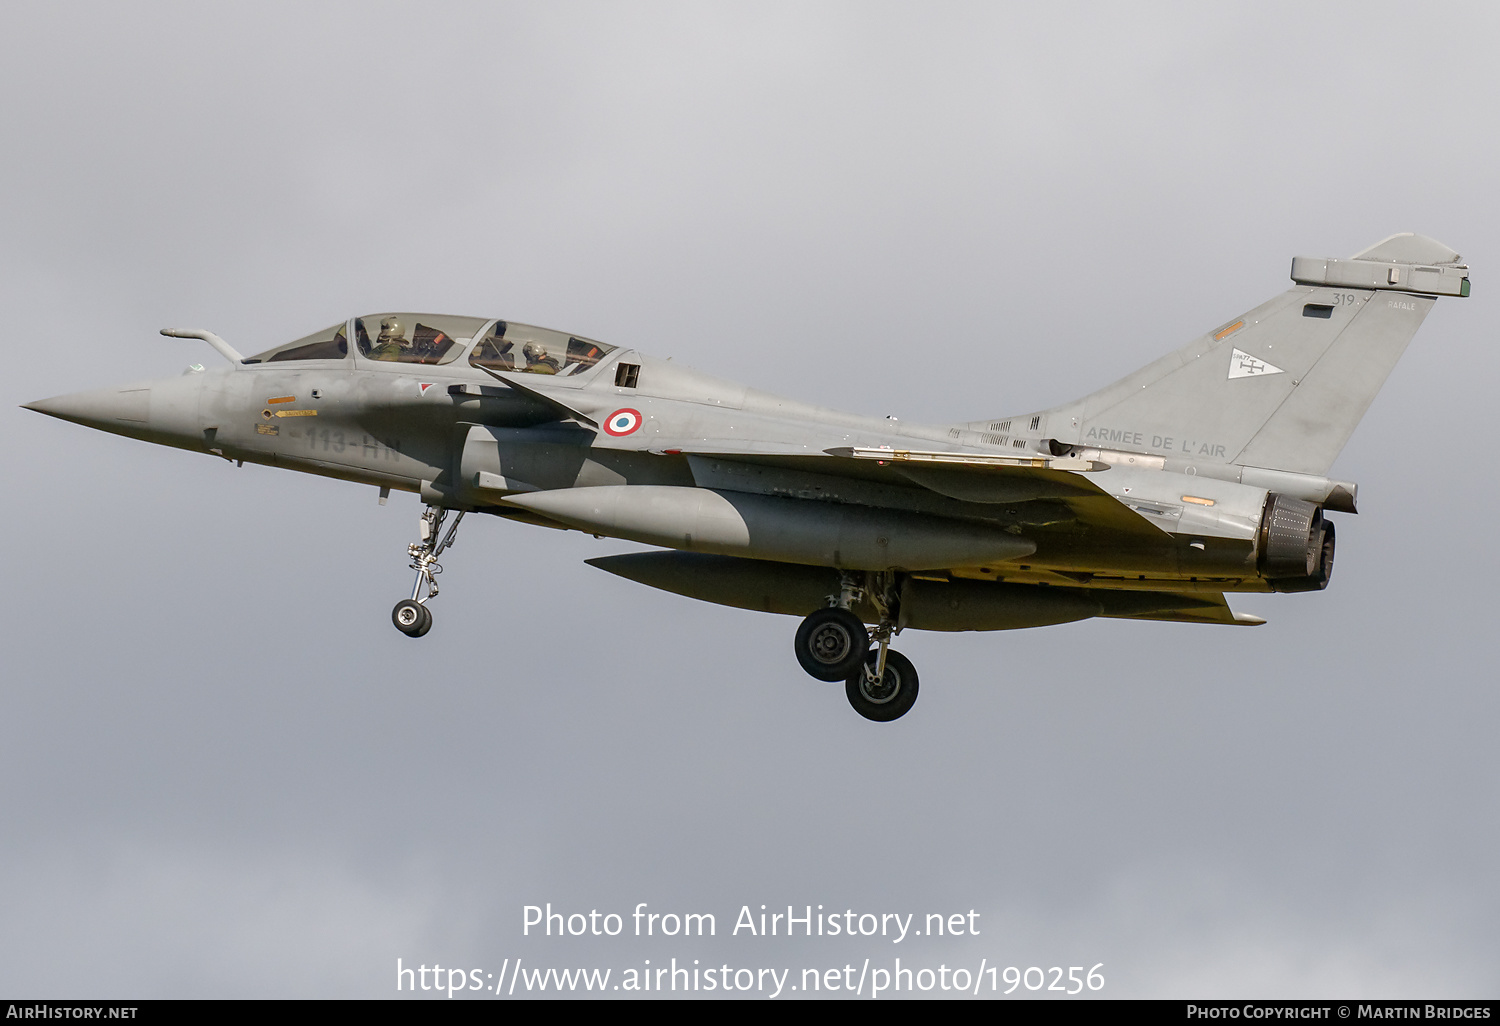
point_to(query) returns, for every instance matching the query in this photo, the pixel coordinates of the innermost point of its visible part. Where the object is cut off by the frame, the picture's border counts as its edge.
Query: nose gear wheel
(411, 618)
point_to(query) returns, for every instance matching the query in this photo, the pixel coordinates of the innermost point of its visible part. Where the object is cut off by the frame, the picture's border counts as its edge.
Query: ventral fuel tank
(769, 527)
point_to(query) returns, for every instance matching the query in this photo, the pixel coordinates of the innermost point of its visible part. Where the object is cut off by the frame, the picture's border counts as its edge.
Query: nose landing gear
(411, 616)
(833, 644)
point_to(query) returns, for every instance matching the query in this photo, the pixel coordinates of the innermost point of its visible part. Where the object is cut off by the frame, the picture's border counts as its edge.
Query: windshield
(328, 344)
(414, 338)
(527, 349)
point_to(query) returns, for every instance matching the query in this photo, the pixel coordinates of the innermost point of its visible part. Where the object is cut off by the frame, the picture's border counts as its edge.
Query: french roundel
(623, 422)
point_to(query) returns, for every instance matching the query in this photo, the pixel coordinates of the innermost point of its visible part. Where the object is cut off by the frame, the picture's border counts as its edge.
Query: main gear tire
(831, 643)
(890, 697)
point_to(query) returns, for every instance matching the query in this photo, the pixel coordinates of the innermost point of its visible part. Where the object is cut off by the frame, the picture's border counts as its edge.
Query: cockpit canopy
(437, 339)
(414, 338)
(328, 344)
(532, 350)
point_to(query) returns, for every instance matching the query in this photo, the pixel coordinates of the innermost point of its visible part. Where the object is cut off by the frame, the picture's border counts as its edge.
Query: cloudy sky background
(223, 773)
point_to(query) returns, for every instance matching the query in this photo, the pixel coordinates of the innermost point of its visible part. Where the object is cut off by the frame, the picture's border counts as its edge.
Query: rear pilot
(537, 360)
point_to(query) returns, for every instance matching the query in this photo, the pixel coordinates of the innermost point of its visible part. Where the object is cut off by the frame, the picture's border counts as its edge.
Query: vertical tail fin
(1281, 387)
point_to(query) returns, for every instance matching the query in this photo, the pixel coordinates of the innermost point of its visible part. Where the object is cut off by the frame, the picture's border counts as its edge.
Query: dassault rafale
(1200, 474)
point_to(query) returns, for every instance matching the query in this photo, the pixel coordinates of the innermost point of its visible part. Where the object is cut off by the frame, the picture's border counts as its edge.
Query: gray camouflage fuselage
(1149, 499)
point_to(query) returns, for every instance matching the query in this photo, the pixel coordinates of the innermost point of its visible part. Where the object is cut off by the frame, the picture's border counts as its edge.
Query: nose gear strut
(411, 616)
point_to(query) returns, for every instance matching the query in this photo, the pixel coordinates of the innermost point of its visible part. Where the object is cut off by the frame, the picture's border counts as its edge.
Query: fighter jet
(1201, 474)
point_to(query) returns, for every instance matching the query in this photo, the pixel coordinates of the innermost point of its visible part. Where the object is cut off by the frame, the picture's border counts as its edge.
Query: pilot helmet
(390, 328)
(534, 351)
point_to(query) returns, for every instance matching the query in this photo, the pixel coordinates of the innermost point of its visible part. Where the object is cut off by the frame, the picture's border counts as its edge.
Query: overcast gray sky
(223, 773)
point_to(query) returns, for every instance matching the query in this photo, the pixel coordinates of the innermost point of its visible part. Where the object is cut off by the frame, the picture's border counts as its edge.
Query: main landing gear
(411, 616)
(833, 644)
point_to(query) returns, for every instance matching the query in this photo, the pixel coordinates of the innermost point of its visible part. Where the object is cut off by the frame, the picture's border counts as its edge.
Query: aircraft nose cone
(109, 409)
